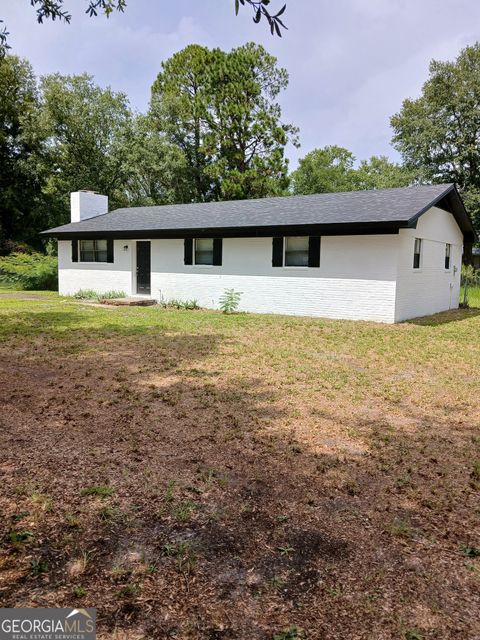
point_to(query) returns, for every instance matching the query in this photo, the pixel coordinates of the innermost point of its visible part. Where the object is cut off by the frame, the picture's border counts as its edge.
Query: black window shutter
(74, 250)
(188, 251)
(277, 252)
(314, 251)
(110, 250)
(217, 252)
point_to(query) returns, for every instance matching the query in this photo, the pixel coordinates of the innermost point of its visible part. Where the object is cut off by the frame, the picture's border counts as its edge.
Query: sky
(351, 62)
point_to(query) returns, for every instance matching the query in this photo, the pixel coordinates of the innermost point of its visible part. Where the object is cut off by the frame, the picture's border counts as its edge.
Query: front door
(143, 268)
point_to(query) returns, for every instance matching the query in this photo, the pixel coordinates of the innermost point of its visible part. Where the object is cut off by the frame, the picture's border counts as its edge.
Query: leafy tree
(87, 128)
(220, 109)
(244, 124)
(438, 134)
(178, 108)
(20, 153)
(156, 171)
(326, 170)
(380, 173)
(332, 169)
(55, 10)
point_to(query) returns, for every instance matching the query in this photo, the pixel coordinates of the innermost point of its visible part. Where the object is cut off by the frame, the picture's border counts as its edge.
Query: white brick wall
(356, 278)
(430, 289)
(359, 278)
(101, 277)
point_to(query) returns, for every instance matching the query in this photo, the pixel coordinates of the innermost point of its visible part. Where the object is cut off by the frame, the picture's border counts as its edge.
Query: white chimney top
(87, 204)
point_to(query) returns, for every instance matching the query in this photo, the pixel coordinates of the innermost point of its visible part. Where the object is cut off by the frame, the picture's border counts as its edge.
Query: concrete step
(130, 302)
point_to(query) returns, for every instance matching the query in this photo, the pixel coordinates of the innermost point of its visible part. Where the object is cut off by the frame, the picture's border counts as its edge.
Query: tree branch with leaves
(55, 10)
(260, 11)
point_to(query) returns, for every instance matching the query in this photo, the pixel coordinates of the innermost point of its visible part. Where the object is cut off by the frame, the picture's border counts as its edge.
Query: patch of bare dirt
(155, 478)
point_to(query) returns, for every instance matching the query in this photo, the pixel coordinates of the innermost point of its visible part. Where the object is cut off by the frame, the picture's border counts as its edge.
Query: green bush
(90, 294)
(30, 271)
(229, 300)
(187, 305)
(470, 287)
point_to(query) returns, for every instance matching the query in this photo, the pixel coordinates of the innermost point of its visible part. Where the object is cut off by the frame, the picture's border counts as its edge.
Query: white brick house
(385, 255)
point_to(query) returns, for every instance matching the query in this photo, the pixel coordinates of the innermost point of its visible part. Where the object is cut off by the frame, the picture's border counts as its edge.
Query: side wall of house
(431, 288)
(355, 280)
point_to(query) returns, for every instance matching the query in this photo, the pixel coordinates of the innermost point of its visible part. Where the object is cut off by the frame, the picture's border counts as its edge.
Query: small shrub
(30, 271)
(91, 294)
(112, 295)
(187, 305)
(191, 305)
(79, 592)
(38, 566)
(16, 537)
(86, 294)
(230, 300)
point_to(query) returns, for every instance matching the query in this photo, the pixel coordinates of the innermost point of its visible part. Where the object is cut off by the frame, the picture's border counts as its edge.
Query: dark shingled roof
(377, 211)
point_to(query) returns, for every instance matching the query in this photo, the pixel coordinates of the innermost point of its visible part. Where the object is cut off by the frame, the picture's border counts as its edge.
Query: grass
(101, 491)
(289, 634)
(327, 459)
(473, 296)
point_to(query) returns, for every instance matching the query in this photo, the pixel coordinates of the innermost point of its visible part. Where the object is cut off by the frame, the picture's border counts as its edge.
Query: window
(448, 251)
(93, 251)
(204, 251)
(296, 251)
(417, 253)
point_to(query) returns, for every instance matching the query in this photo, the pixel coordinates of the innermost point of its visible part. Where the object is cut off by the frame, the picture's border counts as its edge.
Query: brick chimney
(87, 204)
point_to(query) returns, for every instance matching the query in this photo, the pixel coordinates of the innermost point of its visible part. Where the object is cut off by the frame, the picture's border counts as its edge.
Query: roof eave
(362, 228)
(456, 207)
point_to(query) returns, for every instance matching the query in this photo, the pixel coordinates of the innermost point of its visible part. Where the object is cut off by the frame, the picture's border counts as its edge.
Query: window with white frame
(93, 251)
(204, 251)
(448, 253)
(417, 253)
(296, 251)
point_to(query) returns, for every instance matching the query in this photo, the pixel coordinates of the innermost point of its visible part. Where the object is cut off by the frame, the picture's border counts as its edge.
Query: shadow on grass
(445, 317)
(91, 322)
(216, 508)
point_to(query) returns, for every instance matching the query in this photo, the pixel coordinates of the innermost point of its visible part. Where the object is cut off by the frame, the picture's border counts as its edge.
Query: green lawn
(473, 296)
(196, 475)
